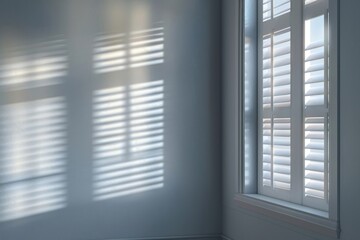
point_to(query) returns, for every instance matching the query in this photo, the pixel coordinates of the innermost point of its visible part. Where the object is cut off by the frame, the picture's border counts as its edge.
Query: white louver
(281, 153)
(310, 1)
(281, 69)
(314, 157)
(275, 8)
(276, 153)
(267, 152)
(267, 71)
(276, 89)
(276, 70)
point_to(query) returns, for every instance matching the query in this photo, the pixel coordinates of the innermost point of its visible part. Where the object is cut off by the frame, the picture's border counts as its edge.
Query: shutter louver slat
(307, 2)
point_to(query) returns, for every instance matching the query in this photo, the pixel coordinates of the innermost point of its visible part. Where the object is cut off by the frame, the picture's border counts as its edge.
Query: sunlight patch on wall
(43, 64)
(110, 53)
(122, 51)
(33, 153)
(128, 139)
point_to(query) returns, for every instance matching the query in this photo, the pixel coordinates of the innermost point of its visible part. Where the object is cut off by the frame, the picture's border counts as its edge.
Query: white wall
(240, 224)
(189, 202)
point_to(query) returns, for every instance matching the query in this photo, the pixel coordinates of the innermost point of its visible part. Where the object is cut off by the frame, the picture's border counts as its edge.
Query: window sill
(304, 217)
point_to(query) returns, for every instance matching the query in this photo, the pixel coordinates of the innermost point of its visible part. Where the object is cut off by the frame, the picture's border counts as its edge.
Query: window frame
(247, 195)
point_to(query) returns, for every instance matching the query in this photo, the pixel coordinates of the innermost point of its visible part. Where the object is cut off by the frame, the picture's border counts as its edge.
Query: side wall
(187, 202)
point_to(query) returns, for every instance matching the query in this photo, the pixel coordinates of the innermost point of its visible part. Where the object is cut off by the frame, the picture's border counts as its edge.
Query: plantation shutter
(275, 91)
(293, 101)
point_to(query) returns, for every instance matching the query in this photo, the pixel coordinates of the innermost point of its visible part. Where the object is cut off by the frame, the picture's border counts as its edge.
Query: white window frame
(247, 190)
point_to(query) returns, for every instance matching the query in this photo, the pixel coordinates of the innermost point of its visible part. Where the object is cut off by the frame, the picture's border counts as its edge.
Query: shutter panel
(315, 110)
(294, 168)
(276, 123)
(314, 157)
(267, 152)
(281, 153)
(267, 71)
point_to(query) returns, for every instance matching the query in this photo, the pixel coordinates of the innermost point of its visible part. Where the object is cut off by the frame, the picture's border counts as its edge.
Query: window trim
(247, 196)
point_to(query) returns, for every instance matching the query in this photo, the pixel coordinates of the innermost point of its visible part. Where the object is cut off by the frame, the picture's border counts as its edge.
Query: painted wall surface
(110, 119)
(240, 224)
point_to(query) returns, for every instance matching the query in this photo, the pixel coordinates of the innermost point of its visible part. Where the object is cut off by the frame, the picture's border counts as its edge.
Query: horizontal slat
(314, 165)
(314, 143)
(314, 77)
(314, 67)
(314, 89)
(310, 56)
(281, 50)
(281, 7)
(282, 169)
(314, 175)
(281, 160)
(282, 80)
(282, 61)
(315, 185)
(314, 45)
(314, 155)
(281, 90)
(314, 193)
(315, 100)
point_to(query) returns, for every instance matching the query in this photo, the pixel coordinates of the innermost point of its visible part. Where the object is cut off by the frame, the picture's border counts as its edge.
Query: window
(288, 100)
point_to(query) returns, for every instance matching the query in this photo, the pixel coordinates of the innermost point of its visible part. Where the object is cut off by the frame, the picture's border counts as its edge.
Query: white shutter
(294, 96)
(276, 95)
(267, 152)
(307, 2)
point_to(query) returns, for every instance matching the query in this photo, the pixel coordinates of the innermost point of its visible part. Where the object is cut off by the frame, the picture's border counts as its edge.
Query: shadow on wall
(128, 125)
(120, 51)
(128, 119)
(32, 133)
(128, 139)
